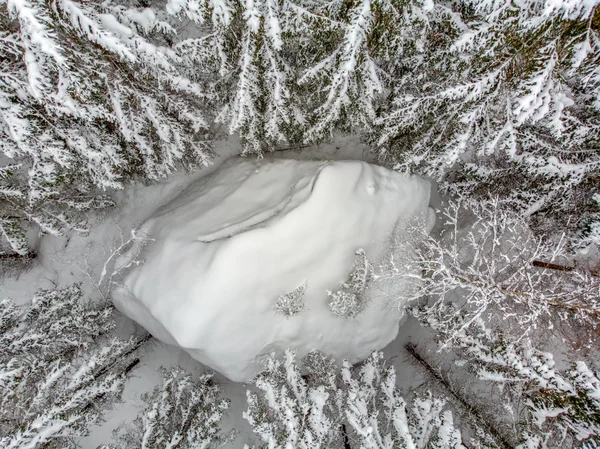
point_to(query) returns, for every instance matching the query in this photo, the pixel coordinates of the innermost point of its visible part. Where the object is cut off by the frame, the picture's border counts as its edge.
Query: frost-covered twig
(133, 244)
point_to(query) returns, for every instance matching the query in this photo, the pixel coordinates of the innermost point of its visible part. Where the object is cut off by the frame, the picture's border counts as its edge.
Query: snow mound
(263, 256)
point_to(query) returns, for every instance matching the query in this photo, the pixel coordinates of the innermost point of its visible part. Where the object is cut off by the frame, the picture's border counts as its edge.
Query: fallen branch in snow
(135, 362)
(554, 266)
(129, 351)
(17, 256)
(292, 148)
(345, 436)
(116, 252)
(587, 310)
(522, 294)
(472, 411)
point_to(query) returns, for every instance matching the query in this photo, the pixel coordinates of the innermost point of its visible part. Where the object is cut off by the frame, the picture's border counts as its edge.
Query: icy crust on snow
(208, 269)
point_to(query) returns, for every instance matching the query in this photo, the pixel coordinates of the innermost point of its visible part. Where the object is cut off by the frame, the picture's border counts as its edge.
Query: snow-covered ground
(88, 260)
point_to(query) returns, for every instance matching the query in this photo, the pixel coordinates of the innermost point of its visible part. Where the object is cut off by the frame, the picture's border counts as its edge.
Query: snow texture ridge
(243, 263)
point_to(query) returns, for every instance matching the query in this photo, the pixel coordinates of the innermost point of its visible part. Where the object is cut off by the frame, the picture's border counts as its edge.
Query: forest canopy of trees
(499, 101)
(494, 98)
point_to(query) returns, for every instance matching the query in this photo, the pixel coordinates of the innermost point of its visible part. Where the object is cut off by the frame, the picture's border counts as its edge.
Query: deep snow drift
(208, 271)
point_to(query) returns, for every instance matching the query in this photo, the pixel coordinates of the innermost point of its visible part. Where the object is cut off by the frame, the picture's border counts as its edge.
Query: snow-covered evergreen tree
(297, 411)
(249, 65)
(489, 288)
(183, 413)
(87, 100)
(502, 94)
(58, 368)
(504, 101)
(357, 407)
(371, 43)
(551, 407)
(487, 95)
(382, 419)
(296, 71)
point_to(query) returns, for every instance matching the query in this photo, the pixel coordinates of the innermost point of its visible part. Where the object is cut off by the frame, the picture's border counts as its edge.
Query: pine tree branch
(106, 369)
(472, 411)
(17, 256)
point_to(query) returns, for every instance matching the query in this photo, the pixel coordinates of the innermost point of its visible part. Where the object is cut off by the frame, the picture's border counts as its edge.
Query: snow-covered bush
(357, 407)
(349, 300)
(291, 303)
(87, 100)
(183, 413)
(57, 368)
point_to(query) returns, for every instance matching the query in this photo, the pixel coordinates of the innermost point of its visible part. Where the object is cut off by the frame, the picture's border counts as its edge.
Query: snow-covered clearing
(88, 260)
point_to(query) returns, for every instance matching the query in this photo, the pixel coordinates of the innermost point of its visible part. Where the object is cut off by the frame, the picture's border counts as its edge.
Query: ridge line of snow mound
(220, 257)
(254, 221)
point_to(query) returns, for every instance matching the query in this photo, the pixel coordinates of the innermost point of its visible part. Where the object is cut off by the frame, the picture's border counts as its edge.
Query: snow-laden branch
(326, 407)
(486, 273)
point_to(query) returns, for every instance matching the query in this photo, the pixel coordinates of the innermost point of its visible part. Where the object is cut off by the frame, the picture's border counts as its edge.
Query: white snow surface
(206, 270)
